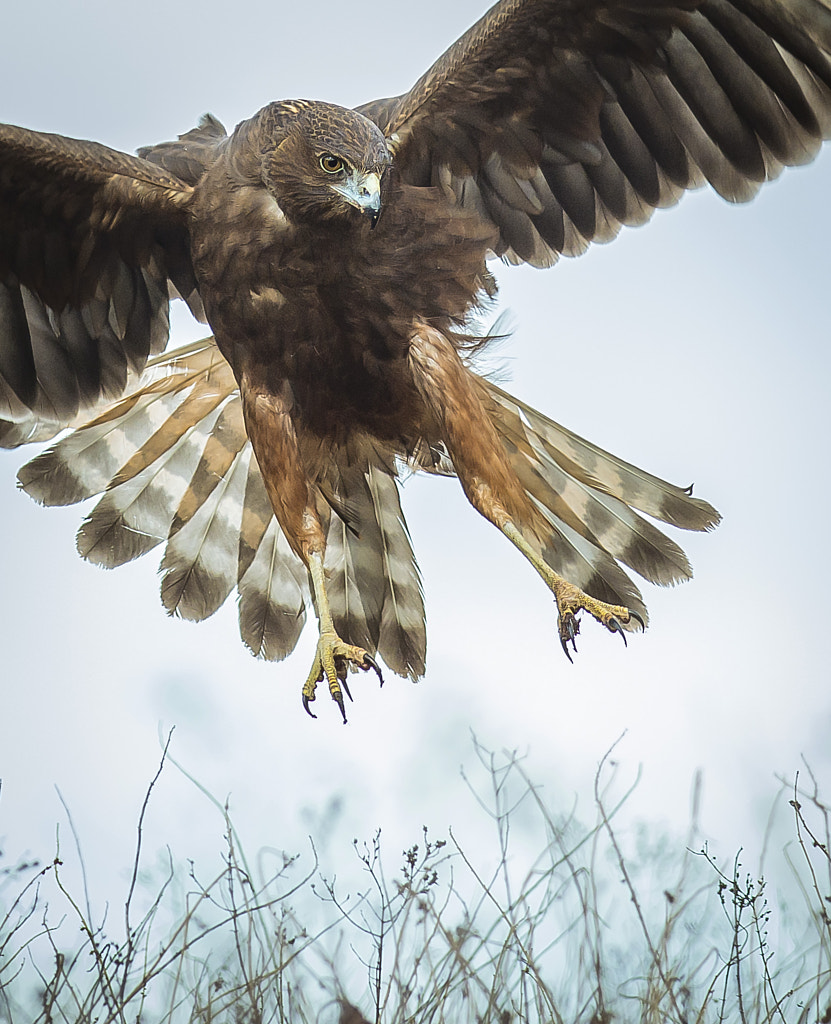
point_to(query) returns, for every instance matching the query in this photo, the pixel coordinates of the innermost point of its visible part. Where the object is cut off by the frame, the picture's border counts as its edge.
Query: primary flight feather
(339, 257)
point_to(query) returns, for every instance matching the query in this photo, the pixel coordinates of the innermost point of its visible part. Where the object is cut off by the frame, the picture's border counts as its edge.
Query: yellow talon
(571, 600)
(332, 660)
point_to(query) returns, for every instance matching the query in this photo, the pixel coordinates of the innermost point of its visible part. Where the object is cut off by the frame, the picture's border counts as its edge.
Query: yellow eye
(331, 164)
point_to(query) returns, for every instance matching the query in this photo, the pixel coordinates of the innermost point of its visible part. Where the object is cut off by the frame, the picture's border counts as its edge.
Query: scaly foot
(571, 600)
(332, 660)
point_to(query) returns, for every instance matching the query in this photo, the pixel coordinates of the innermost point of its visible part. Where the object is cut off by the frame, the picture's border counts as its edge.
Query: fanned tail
(586, 500)
(174, 467)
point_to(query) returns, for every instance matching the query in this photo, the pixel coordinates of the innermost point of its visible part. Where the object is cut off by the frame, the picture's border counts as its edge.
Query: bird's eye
(332, 164)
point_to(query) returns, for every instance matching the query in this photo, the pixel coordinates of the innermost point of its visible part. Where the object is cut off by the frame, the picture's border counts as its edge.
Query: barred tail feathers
(403, 638)
(586, 500)
(173, 466)
(273, 585)
(354, 565)
(374, 584)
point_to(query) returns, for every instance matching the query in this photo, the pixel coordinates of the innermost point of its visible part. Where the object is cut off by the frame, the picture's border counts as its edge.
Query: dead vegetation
(598, 923)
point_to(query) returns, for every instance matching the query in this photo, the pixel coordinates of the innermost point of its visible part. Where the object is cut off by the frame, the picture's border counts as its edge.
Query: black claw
(616, 627)
(634, 615)
(369, 662)
(346, 689)
(569, 627)
(564, 640)
(338, 699)
(306, 707)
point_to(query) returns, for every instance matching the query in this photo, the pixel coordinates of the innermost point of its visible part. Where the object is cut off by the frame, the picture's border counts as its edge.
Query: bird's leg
(451, 394)
(570, 599)
(271, 429)
(333, 656)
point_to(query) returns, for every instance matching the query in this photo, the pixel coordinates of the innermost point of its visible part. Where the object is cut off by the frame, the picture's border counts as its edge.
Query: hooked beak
(363, 191)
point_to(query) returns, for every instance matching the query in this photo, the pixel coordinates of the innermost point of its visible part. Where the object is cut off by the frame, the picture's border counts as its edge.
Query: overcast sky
(695, 347)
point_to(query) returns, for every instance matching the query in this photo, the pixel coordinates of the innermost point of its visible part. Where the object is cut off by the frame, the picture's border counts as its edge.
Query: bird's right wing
(92, 244)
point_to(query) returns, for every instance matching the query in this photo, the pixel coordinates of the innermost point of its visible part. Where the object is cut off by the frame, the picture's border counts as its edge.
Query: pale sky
(695, 347)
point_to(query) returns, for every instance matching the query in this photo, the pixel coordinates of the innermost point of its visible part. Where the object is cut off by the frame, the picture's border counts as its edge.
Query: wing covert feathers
(192, 153)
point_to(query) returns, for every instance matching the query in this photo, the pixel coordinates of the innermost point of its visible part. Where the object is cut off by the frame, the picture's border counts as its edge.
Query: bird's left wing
(558, 121)
(91, 243)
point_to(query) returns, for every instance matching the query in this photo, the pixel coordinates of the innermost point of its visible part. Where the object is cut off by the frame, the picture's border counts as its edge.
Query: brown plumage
(339, 257)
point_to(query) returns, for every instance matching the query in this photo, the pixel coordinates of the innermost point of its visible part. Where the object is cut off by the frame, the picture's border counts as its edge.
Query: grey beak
(363, 191)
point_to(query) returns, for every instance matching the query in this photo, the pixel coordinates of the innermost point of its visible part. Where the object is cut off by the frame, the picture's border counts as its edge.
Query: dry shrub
(593, 924)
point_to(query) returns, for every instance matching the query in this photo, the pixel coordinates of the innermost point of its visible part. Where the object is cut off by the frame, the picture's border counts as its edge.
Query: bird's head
(324, 163)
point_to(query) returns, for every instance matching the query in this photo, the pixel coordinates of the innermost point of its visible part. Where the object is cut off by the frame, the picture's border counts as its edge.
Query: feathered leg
(271, 430)
(453, 397)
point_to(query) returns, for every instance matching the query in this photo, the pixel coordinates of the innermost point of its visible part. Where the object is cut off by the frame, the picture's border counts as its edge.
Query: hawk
(340, 259)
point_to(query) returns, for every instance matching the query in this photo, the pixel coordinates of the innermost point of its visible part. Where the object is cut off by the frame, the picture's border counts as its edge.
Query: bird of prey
(340, 259)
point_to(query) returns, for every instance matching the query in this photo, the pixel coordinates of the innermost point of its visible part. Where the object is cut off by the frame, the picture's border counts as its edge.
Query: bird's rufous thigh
(274, 440)
(452, 395)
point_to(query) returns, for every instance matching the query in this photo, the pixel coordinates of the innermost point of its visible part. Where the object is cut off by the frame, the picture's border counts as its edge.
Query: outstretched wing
(91, 240)
(559, 121)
